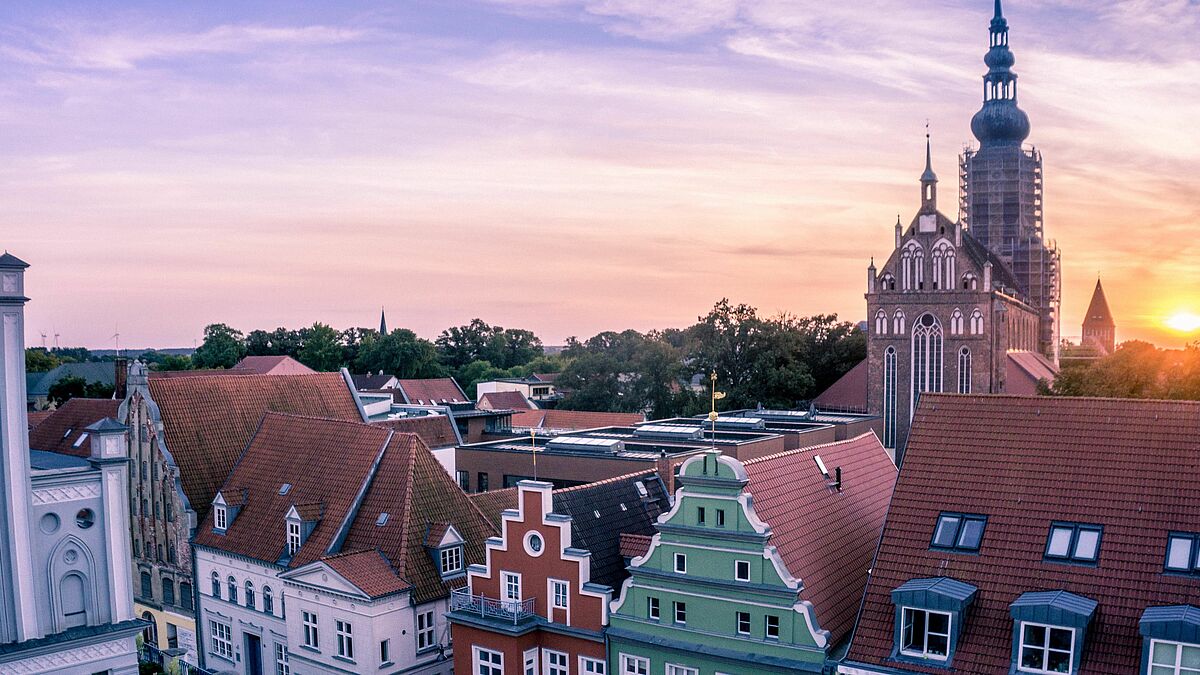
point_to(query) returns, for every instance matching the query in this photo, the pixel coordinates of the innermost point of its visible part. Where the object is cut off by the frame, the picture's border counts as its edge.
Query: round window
(534, 544)
(85, 518)
(49, 523)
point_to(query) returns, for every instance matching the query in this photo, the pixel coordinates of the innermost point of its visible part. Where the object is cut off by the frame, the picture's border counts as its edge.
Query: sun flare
(1184, 322)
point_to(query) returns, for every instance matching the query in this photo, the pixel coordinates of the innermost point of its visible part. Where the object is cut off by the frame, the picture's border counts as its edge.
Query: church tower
(1001, 190)
(1099, 328)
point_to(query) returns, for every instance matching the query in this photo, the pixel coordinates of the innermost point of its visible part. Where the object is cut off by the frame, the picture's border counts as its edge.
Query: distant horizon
(564, 166)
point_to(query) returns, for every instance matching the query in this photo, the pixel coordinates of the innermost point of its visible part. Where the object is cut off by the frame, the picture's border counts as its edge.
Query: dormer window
(445, 544)
(293, 537)
(220, 518)
(451, 560)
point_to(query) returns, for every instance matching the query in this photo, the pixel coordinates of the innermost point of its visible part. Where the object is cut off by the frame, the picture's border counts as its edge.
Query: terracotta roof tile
(436, 430)
(270, 365)
(36, 417)
(634, 545)
(573, 420)
(848, 393)
(61, 430)
(437, 391)
(494, 502)
(504, 400)
(827, 538)
(369, 571)
(207, 421)
(1025, 462)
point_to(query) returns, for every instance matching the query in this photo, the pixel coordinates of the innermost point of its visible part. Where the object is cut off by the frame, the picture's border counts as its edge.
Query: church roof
(1098, 312)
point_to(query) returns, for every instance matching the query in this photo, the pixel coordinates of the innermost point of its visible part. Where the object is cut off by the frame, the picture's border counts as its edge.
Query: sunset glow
(1184, 322)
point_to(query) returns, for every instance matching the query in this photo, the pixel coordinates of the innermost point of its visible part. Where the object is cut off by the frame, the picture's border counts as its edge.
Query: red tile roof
(436, 430)
(504, 400)
(36, 417)
(60, 431)
(848, 393)
(369, 571)
(634, 545)
(1024, 369)
(432, 392)
(1024, 462)
(546, 377)
(207, 421)
(827, 538)
(573, 420)
(270, 365)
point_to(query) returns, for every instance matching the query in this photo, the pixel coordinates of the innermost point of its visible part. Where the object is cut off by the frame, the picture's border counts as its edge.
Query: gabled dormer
(299, 523)
(226, 506)
(445, 545)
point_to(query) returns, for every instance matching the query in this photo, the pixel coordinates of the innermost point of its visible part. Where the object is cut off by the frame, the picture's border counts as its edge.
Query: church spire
(382, 322)
(1000, 121)
(928, 179)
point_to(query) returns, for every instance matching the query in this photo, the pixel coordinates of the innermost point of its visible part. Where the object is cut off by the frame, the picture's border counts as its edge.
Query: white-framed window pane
(772, 626)
(425, 630)
(947, 531)
(1046, 649)
(281, 660)
(680, 612)
(925, 634)
(556, 662)
(1179, 553)
(588, 666)
(530, 658)
(673, 669)
(681, 563)
(1060, 542)
(634, 665)
(743, 623)
(560, 594)
(512, 586)
(652, 608)
(1087, 544)
(488, 662)
(742, 570)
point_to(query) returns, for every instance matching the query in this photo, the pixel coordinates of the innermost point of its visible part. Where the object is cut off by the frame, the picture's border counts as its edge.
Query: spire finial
(999, 12)
(928, 151)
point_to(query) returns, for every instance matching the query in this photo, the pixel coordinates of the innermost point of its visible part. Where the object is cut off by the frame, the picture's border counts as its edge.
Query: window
(1046, 649)
(680, 612)
(976, 322)
(881, 322)
(464, 480)
(898, 323)
(720, 517)
(425, 631)
(512, 586)
(79, 441)
(1183, 554)
(1072, 542)
(281, 660)
(345, 639)
(172, 636)
(741, 570)
(385, 651)
(222, 639)
(147, 585)
(1173, 658)
(220, 517)
(216, 585)
(311, 637)
(700, 516)
(168, 587)
(560, 591)
(956, 322)
(958, 532)
(530, 657)
(293, 537)
(488, 662)
(268, 600)
(185, 595)
(556, 662)
(233, 590)
(451, 559)
(249, 594)
(925, 634)
(772, 627)
(591, 666)
(681, 563)
(889, 397)
(673, 669)
(743, 623)
(652, 610)
(481, 480)
(964, 371)
(634, 665)
(926, 357)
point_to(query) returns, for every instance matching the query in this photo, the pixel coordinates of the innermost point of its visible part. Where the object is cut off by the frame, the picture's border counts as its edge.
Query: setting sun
(1184, 322)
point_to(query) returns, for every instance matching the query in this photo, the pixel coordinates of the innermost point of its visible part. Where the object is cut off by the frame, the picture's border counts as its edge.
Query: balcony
(514, 611)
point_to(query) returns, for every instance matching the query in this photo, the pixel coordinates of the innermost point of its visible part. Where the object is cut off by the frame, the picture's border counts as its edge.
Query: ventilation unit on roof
(670, 432)
(585, 444)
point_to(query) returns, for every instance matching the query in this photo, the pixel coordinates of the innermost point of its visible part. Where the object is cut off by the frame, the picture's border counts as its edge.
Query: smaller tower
(382, 322)
(1099, 329)
(928, 181)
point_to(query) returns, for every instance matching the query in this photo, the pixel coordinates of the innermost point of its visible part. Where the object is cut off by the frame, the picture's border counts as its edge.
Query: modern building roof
(437, 431)
(64, 430)
(371, 381)
(439, 391)
(1025, 370)
(207, 421)
(826, 536)
(1025, 463)
(103, 372)
(848, 393)
(602, 513)
(572, 420)
(270, 365)
(504, 400)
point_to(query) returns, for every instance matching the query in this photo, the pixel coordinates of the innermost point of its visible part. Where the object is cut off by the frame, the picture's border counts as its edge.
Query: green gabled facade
(741, 609)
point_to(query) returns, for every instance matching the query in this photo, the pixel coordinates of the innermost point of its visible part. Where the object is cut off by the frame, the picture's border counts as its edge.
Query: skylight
(1073, 542)
(285, 488)
(959, 532)
(641, 488)
(821, 465)
(68, 433)
(381, 520)
(79, 441)
(1183, 554)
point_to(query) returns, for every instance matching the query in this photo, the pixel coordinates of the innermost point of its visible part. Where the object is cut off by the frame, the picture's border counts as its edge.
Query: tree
(477, 341)
(223, 347)
(71, 387)
(38, 360)
(470, 375)
(322, 348)
(400, 353)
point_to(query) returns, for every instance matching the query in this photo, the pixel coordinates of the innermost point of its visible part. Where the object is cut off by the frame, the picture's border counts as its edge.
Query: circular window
(927, 320)
(49, 523)
(534, 544)
(85, 518)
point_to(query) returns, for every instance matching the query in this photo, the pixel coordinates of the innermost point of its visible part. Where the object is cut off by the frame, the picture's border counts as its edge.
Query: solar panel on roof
(669, 431)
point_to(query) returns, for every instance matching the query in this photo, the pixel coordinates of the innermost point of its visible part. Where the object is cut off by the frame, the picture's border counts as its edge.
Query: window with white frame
(560, 590)
(1046, 649)
(233, 592)
(512, 585)
(964, 371)
(425, 631)
(652, 609)
(488, 662)
(634, 665)
(741, 570)
(222, 638)
(925, 634)
(743, 623)
(293, 537)
(681, 563)
(311, 637)
(385, 651)
(345, 639)
(675, 669)
(680, 612)
(772, 627)
(530, 658)
(589, 666)
(281, 660)
(451, 559)
(556, 662)
(1173, 658)
(220, 517)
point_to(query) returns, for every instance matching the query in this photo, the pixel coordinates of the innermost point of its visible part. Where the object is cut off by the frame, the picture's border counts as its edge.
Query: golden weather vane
(712, 416)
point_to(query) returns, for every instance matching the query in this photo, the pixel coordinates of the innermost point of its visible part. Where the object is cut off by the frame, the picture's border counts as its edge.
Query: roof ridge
(800, 451)
(1181, 402)
(604, 481)
(314, 418)
(402, 550)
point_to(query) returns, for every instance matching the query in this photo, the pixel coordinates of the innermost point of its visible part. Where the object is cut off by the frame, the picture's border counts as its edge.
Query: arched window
(889, 397)
(937, 268)
(926, 358)
(150, 633)
(976, 322)
(268, 600)
(964, 371)
(950, 264)
(898, 322)
(956, 322)
(906, 272)
(74, 602)
(216, 585)
(881, 322)
(233, 590)
(888, 283)
(970, 282)
(249, 594)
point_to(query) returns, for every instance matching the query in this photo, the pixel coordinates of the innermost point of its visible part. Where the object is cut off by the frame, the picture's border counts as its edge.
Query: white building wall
(270, 629)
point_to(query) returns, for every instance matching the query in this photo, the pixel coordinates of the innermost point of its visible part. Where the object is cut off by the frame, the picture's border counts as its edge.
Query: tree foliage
(38, 360)
(400, 353)
(1135, 370)
(76, 387)
(223, 347)
(477, 341)
(322, 348)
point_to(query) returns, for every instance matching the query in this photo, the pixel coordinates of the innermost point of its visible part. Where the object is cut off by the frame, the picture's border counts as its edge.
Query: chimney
(837, 478)
(120, 377)
(987, 276)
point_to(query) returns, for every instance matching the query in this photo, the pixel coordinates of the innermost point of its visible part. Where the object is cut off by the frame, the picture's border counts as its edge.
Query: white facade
(257, 638)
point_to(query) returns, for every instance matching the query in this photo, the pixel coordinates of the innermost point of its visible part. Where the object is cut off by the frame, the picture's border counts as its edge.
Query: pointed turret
(928, 181)
(1099, 328)
(382, 322)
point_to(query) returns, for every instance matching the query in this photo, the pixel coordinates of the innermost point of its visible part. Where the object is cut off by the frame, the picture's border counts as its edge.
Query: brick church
(968, 305)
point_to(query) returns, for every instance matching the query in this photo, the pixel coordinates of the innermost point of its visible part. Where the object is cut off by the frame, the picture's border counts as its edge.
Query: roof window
(1183, 553)
(1073, 542)
(958, 532)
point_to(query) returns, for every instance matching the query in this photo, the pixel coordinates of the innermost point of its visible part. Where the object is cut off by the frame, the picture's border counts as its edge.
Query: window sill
(427, 650)
(306, 648)
(343, 659)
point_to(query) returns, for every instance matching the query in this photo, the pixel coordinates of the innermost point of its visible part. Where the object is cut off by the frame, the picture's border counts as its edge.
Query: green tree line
(1135, 370)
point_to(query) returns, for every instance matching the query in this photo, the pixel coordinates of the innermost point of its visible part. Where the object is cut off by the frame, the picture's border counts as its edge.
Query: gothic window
(976, 322)
(926, 357)
(956, 322)
(937, 269)
(898, 322)
(906, 269)
(964, 371)
(881, 322)
(889, 397)
(969, 282)
(216, 585)
(887, 283)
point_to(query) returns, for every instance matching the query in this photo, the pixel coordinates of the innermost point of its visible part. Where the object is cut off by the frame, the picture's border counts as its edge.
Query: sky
(566, 166)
